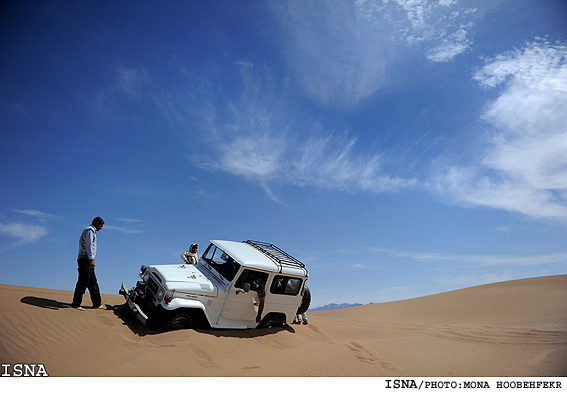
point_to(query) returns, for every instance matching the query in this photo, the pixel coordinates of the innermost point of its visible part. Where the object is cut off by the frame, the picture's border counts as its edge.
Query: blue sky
(399, 148)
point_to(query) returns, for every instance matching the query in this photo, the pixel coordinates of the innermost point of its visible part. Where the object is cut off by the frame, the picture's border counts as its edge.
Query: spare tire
(305, 302)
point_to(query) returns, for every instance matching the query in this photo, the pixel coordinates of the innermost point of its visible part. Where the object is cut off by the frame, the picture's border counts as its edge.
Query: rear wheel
(305, 301)
(271, 322)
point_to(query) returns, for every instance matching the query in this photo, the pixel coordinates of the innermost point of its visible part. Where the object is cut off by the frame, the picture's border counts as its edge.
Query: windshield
(221, 262)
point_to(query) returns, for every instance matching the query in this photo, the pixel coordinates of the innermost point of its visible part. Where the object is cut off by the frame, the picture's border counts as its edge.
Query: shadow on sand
(122, 312)
(52, 304)
(44, 303)
(245, 333)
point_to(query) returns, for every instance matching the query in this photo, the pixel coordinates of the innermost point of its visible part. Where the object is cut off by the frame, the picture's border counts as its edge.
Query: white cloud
(131, 231)
(342, 52)
(524, 165)
(478, 260)
(257, 139)
(247, 133)
(331, 162)
(254, 156)
(131, 220)
(133, 226)
(441, 27)
(25, 233)
(451, 45)
(336, 49)
(36, 213)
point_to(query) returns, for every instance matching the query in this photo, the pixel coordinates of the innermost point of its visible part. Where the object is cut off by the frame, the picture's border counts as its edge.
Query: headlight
(144, 273)
(168, 297)
(160, 294)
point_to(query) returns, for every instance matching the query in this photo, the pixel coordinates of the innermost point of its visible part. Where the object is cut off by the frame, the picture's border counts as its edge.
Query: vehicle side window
(248, 277)
(284, 285)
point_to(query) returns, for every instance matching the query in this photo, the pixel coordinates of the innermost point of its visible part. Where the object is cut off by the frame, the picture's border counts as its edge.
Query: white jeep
(220, 291)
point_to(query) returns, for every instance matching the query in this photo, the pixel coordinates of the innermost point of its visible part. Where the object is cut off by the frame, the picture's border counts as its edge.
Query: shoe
(305, 322)
(78, 308)
(101, 307)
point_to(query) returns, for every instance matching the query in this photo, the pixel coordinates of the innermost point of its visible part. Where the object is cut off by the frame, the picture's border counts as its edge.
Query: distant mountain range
(334, 306)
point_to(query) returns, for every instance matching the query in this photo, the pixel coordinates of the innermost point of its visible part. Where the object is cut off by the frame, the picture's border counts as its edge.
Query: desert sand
(514, 328)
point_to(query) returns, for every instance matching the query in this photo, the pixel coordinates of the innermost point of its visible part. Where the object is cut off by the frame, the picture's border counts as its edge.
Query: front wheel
(180, 321)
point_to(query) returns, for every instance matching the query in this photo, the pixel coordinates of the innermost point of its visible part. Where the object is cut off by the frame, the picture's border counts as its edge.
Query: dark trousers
(87, 279)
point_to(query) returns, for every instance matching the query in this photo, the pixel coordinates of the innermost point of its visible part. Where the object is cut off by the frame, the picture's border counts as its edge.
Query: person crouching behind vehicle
(190, 257)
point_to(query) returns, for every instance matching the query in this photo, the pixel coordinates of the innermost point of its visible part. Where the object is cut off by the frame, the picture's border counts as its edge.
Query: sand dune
(515, 328)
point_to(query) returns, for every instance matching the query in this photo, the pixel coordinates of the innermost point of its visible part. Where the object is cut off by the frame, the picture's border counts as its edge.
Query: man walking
(86, 262)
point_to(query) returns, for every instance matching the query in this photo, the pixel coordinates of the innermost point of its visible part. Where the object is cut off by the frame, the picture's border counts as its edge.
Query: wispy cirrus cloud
(36, 213)
(24, 233)
(441, 28)
(337, 54)
(523, 167)
(132, 81)
(477, 260)
(342, 51)
(331, 162)
(132, 226)
(132, 220)
(130, 231)
(250, 131)
(253, 135)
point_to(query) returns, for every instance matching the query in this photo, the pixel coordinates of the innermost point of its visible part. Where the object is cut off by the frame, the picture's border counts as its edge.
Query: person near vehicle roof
(190, 257)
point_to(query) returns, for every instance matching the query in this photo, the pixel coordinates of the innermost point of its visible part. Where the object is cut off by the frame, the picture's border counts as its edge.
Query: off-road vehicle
(220, 291)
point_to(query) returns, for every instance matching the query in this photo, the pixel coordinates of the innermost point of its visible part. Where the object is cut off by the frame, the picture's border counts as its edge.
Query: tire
(305, 302)
(271, 322)
(180, 321)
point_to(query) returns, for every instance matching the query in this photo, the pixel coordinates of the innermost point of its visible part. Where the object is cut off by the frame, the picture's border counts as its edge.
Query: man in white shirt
(86, 262)
(190, 257)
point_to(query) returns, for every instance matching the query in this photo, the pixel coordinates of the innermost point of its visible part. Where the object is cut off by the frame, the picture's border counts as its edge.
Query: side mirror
(246, 289)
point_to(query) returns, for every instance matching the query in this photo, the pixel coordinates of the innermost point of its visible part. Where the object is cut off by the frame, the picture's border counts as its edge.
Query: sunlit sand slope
(515, 328)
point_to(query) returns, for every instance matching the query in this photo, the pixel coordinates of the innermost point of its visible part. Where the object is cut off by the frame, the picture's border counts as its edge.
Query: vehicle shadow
(245, 333)
(124, 313)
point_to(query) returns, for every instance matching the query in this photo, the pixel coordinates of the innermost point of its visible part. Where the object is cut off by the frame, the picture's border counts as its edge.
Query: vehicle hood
(183, 278)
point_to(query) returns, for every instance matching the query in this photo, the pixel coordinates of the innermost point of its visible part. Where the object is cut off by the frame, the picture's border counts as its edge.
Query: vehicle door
(240, 305)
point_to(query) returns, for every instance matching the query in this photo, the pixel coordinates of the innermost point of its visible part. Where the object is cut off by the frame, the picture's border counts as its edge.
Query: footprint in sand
(322, 335)
(368, 357)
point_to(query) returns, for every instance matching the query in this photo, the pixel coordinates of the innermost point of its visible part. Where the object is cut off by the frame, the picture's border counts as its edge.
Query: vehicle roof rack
(276, 254)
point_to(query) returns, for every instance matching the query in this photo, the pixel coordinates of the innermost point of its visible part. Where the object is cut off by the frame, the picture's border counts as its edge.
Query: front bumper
(136, 310)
